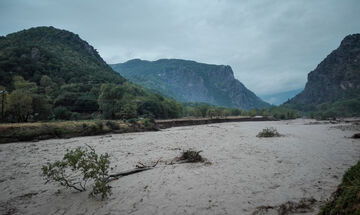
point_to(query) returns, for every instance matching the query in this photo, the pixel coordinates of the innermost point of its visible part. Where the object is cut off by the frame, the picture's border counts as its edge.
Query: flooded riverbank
(246, 172)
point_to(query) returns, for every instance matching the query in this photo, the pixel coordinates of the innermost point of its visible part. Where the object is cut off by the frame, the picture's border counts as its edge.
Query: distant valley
(281, 97)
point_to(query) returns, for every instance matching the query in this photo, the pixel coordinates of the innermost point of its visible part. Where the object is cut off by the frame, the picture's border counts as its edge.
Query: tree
(62, 112)
(20, 105)
(20, 84)
(46, 81)
(210, 113)
(109, 100)
(151, 108)
(227, 113)
(41, 107)
(84, 162)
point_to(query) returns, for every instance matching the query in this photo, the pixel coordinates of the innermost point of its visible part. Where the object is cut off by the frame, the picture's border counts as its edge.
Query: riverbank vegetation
(12, 132)
(347, 105)
(346, 199)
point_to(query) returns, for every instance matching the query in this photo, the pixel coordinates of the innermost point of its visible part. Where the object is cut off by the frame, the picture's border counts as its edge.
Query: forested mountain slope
(190, 81)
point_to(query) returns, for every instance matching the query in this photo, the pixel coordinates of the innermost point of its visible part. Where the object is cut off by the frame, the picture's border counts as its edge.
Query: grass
(268, 132)
(12, 132)
(346, 199)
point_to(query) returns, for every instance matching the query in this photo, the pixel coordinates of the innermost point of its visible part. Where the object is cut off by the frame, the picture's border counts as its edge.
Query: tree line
(48, 100)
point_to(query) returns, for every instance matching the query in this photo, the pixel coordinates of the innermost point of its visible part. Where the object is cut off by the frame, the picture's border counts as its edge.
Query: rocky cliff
(337, 76)
(190, 81)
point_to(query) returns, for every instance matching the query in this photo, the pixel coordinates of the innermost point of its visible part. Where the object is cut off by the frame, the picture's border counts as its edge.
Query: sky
(271, 45)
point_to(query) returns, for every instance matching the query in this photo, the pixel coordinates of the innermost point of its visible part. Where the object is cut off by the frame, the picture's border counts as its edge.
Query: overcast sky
(270, 44)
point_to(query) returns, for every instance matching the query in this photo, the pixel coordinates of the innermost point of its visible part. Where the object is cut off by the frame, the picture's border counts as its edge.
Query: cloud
(270, 44)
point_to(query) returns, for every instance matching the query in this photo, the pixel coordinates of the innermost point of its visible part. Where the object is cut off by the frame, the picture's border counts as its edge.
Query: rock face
(337, 76)
(189, 81)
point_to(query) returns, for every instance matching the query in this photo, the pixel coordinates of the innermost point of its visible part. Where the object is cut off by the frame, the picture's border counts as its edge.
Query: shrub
(191, 155)
(146, 122)
(132, 120)
(62, 113)
(112, 125)
(268, 132)
(84, 162)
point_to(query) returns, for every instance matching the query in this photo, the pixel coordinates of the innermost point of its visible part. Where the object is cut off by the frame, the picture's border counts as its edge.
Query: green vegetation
(268, 132)
(12, 132)
(81, 161)
(346, 200)
(192, 109)
(347, 105)
(186, 80)
(51, 74)
(211, 111)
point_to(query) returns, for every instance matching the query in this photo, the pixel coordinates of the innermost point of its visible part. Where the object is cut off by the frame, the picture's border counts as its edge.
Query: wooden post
(3, 92)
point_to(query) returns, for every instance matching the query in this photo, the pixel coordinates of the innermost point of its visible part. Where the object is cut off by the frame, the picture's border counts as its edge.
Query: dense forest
(49, 73)
(347, 105)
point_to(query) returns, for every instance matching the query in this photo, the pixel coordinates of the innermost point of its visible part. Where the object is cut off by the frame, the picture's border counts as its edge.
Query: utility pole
(3, 92)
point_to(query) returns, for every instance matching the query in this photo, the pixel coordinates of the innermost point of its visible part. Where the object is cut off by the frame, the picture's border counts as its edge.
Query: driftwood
(356, 136)
(129, 172)
(140, 167)
(189, 156)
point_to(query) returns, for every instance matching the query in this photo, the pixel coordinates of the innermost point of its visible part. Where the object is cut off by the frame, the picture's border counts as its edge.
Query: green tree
(20, 105)
(46, 81)
(20, 84)
(211, 113)
(41, 107)
(109, 100)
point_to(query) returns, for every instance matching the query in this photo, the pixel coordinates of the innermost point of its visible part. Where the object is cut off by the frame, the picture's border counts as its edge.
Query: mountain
(59, 54)
(190, 81)
(279, 98)
(336, 77)
(53, 74)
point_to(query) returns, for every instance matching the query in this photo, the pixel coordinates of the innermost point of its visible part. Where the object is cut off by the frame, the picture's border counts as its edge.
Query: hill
(52, 73)
(59, 54)
(333, 88)
(190, 81)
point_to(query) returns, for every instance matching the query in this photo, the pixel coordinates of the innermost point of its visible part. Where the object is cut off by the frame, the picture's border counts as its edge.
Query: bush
(132, 120)
(112, 125)
(62, 113)
(191, 156)
(268, 132)
(81, 161)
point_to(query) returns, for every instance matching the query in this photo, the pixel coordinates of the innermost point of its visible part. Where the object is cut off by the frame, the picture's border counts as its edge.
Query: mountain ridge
(336, 77)
(191, 81)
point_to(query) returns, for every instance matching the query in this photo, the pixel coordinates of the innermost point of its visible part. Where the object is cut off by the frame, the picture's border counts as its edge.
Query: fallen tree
(83, 165)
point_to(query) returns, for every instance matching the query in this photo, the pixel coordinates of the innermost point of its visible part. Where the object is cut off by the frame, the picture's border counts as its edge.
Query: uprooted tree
(83, 165)
(77, 168)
